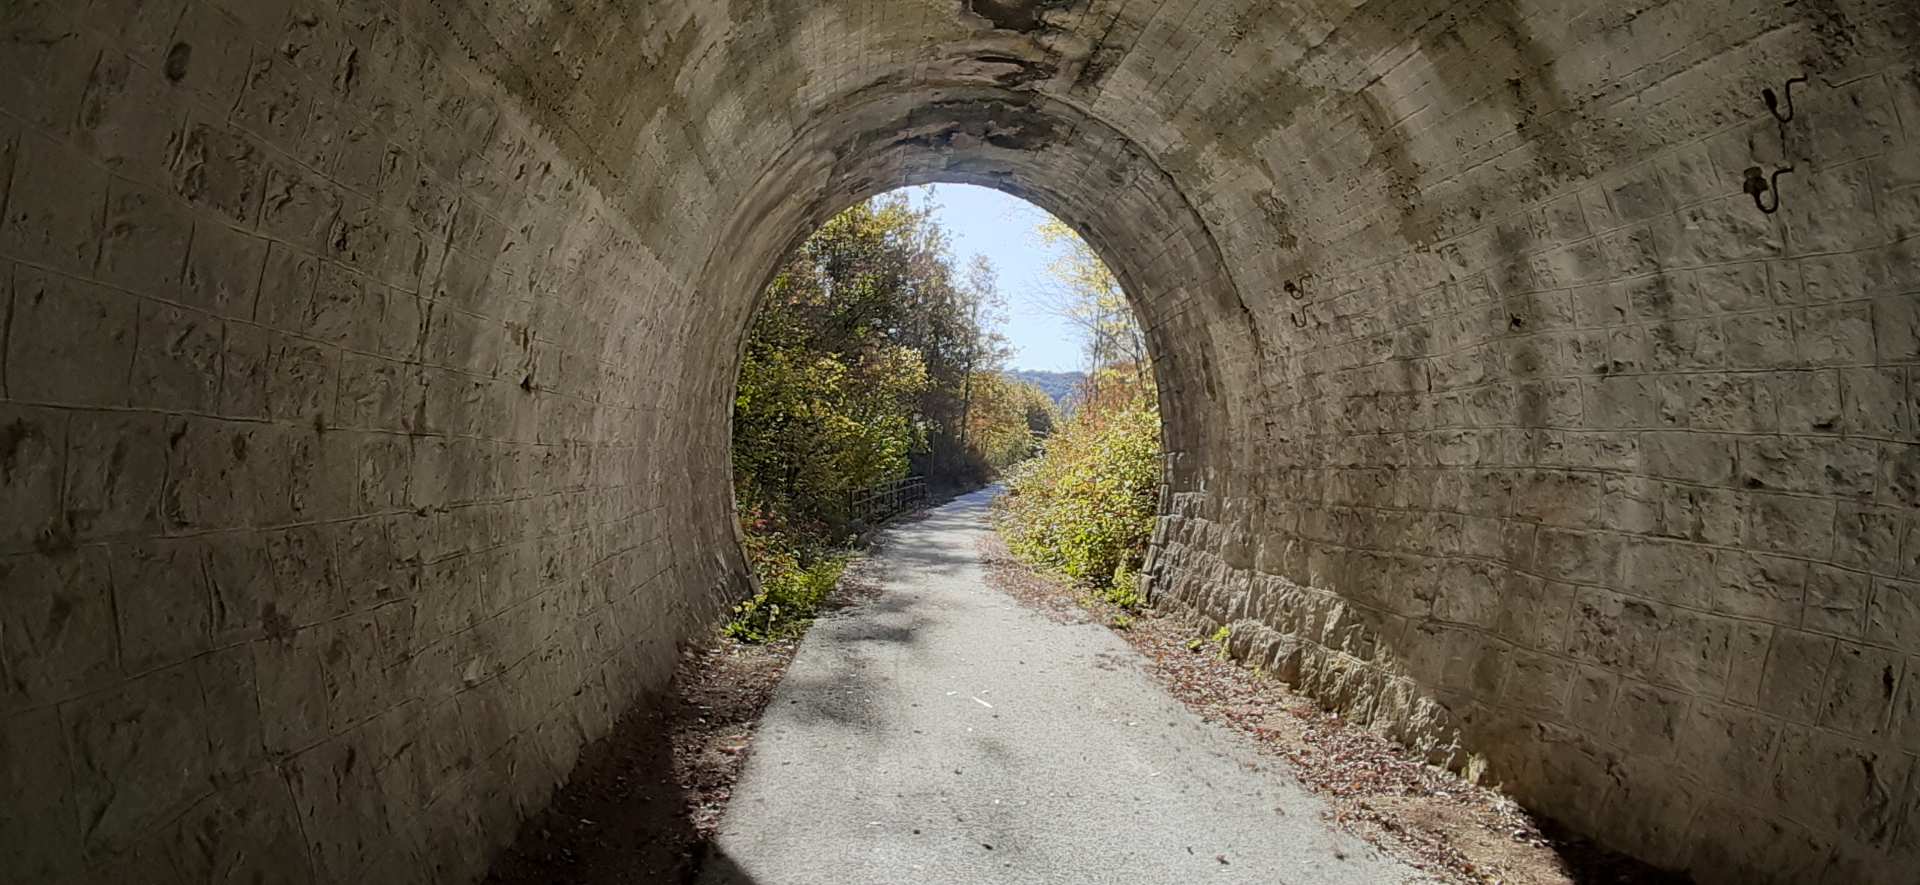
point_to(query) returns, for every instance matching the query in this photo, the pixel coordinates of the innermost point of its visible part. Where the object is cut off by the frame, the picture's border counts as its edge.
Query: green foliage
(871, 357)
(793, 585)
(808, 425)
(1007, 421)
(1125, 590)
(1086, 506)
(1218, 640)
(832, 379)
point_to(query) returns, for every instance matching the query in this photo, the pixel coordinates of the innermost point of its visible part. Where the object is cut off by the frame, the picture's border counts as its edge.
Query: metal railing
(875, 504)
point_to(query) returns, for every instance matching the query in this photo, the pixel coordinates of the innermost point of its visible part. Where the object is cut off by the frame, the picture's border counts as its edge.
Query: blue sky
(987, 222)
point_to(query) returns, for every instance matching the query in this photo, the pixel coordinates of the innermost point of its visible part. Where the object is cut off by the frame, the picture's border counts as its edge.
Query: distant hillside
(1062, 387)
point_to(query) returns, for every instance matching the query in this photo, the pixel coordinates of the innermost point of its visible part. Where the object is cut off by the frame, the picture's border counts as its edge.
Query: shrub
(794, 581)
(1219, 639)
(1125, 591)
(1085, 508)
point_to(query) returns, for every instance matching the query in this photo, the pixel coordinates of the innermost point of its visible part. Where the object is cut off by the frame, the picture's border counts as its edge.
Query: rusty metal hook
(1758, 185)
(1299, 322)
(1773, 101)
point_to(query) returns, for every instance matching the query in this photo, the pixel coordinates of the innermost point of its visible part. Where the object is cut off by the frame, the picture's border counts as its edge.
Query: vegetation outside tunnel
(1085, 507)
(873, 357)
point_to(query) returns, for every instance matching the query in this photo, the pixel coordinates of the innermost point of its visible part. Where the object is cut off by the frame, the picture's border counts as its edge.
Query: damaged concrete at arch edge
(1022, 16)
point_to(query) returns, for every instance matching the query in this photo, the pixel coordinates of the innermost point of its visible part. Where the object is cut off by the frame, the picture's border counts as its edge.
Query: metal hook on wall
(1773, 101)
(1299, 322)
(1293, 291)
(1758, 185)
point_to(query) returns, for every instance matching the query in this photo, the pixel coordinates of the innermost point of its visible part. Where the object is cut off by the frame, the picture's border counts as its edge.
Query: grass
(791, 593)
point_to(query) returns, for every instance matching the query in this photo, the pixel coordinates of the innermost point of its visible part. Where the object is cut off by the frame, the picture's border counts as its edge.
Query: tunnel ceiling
(363, 402)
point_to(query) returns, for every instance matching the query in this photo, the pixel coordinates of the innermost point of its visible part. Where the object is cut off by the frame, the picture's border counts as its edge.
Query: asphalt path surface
(942, 732)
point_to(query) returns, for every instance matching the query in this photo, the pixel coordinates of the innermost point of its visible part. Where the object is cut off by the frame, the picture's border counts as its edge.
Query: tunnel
(1540, 382)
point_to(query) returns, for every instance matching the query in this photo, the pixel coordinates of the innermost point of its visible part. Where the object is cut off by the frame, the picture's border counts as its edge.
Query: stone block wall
(1608, 489)
(335, 504)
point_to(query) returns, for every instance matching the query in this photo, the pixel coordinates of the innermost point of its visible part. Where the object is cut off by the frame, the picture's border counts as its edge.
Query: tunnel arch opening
(1037, 149)
(884, 365)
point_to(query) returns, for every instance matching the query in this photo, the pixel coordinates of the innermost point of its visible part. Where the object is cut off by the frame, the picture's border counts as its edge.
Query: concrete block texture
(365, 372)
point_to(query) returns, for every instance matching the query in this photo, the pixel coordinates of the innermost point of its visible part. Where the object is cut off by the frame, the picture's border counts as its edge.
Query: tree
(1008, 420)
(870, 357)
(828, 388)
(1087, 294)
(861, 366)
(985, 309)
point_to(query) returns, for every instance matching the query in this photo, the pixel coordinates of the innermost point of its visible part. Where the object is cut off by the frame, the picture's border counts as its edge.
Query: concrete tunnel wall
(363, 400)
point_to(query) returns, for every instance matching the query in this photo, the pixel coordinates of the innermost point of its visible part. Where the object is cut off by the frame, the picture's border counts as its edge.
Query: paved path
(942, 733)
